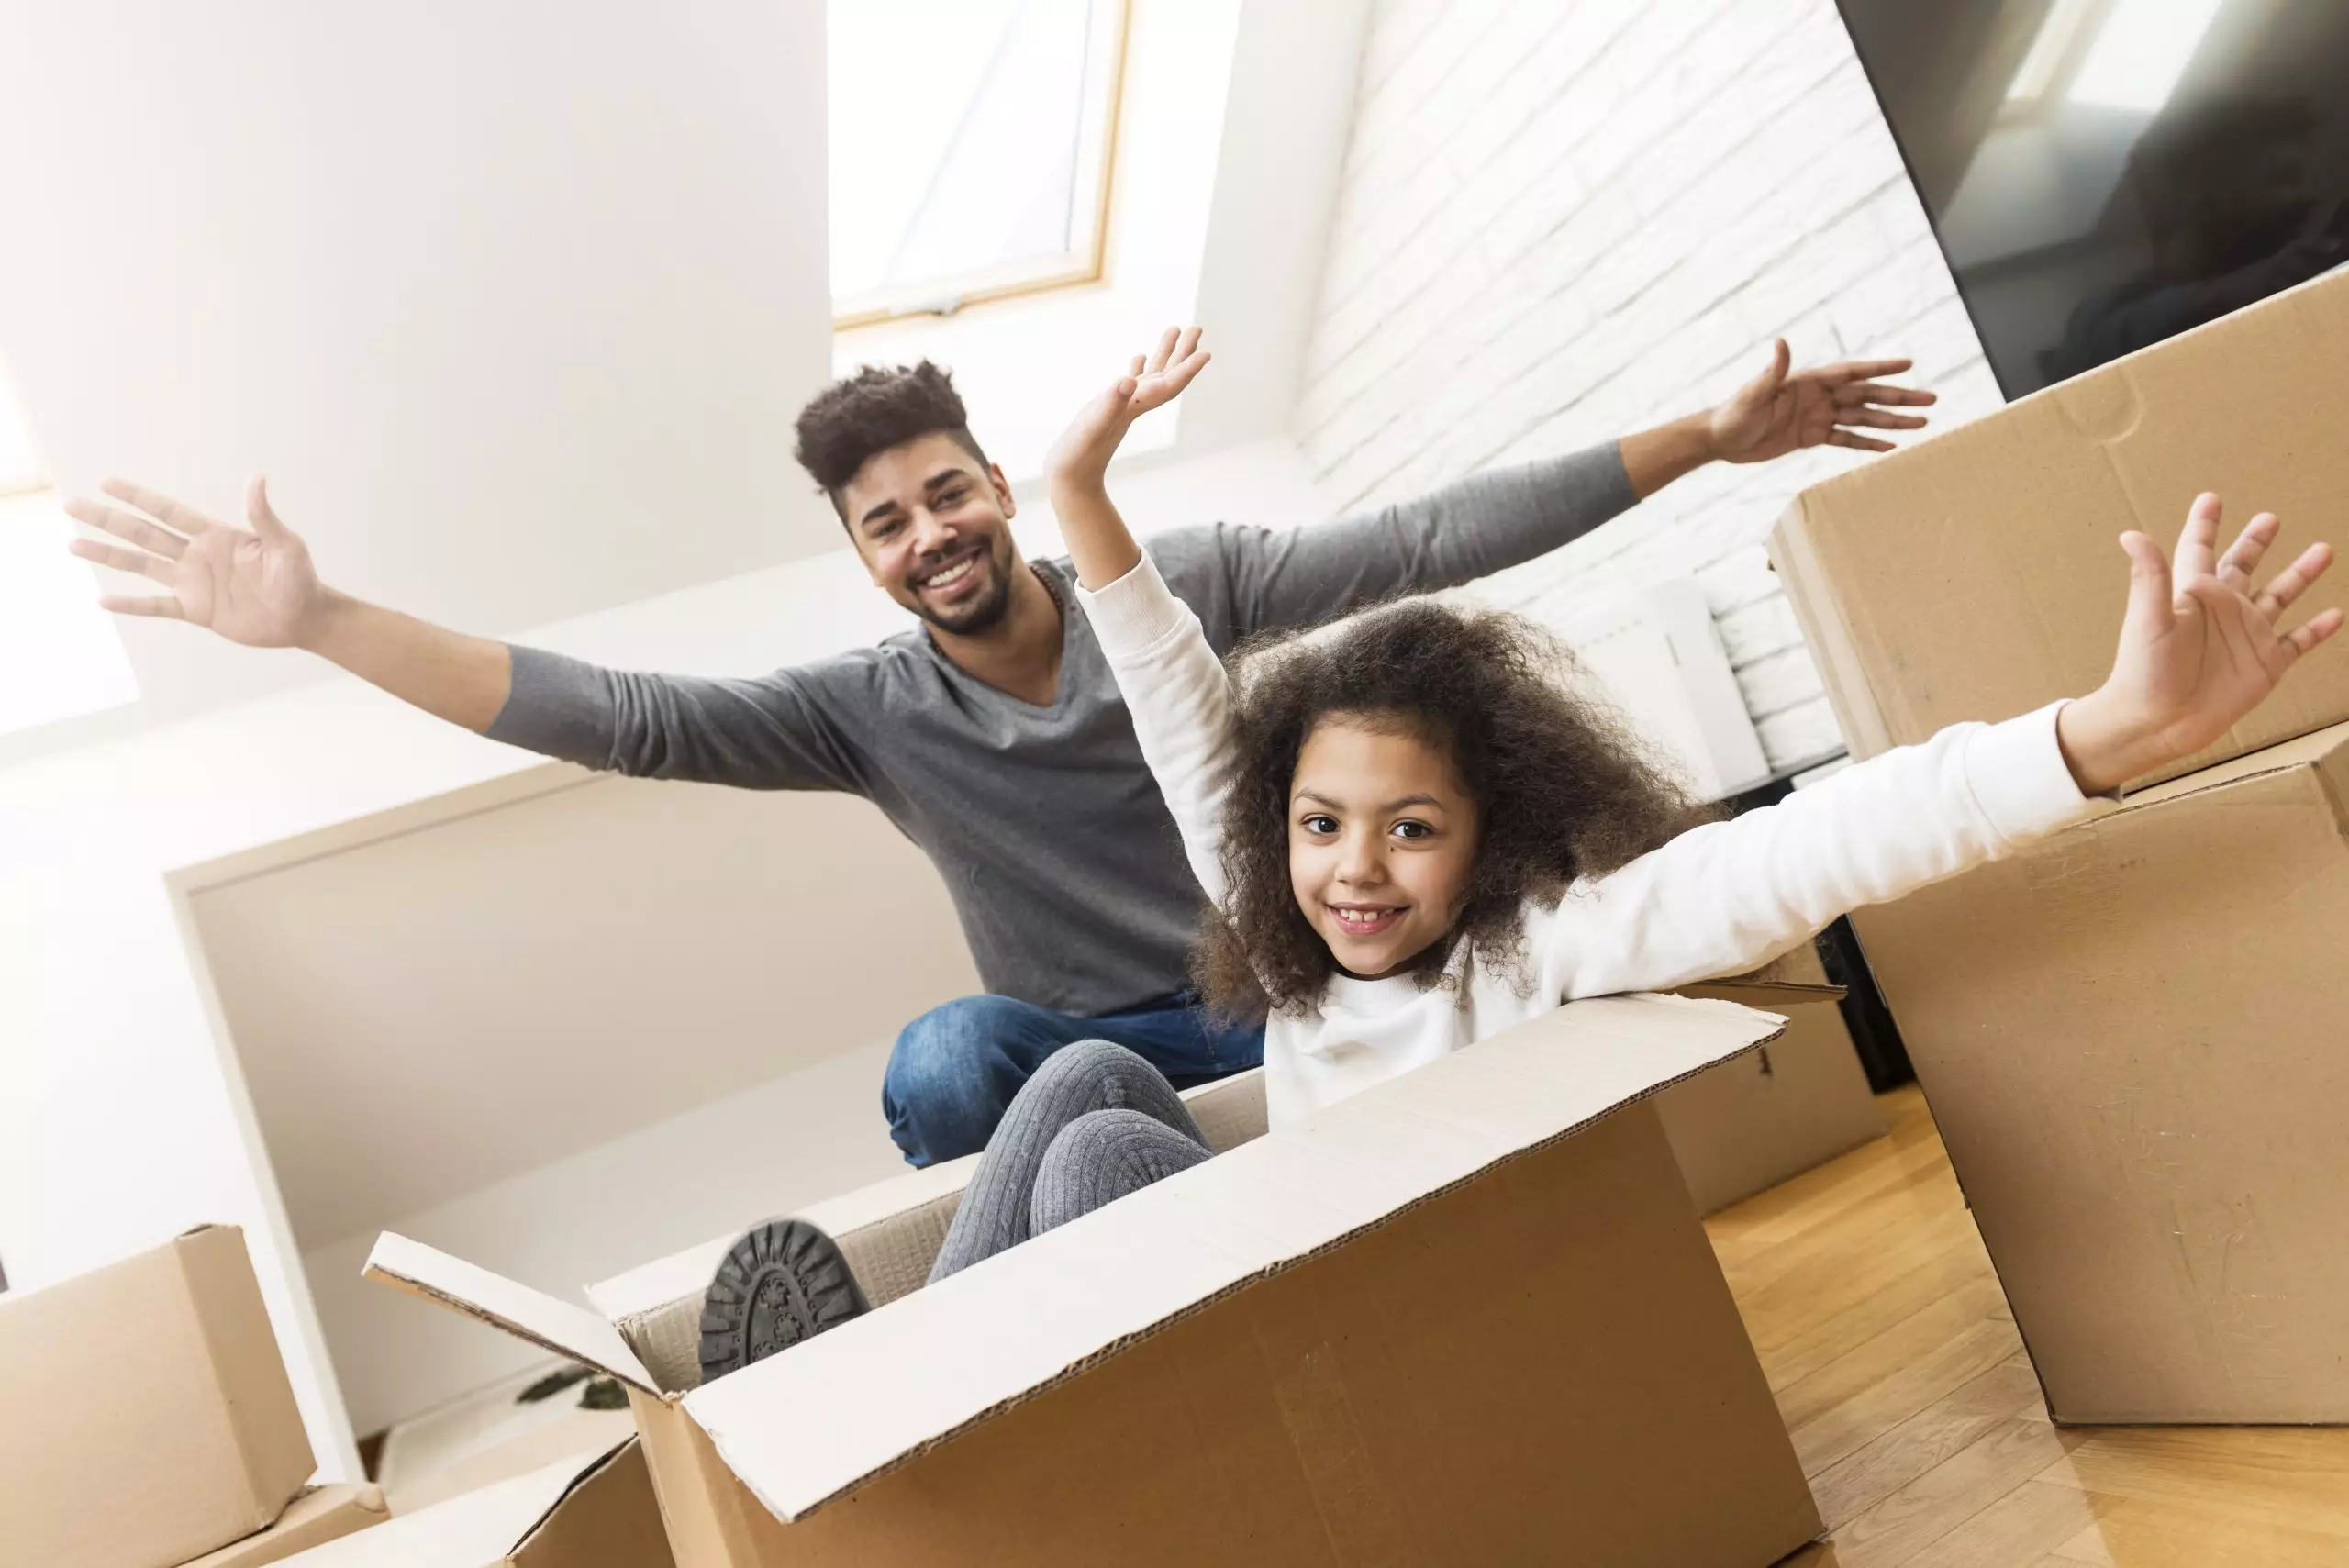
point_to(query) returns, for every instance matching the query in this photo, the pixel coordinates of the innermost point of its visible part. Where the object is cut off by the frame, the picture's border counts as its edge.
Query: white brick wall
(1563, 220)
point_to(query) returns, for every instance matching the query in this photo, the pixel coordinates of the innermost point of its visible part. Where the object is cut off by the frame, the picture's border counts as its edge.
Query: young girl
(1412, 836)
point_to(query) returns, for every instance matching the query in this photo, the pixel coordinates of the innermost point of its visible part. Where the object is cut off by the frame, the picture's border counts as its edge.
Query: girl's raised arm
(1174, 684)
(2199, 650)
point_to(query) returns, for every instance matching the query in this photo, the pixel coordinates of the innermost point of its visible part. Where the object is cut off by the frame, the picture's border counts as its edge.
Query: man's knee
(949, 1078)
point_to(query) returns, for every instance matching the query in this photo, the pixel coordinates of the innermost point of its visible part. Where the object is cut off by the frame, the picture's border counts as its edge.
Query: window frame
(1086, 263)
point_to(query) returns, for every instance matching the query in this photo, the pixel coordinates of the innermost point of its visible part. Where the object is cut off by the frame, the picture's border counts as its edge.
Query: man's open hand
(1784, 410)
(2199, 651)
(256, 587)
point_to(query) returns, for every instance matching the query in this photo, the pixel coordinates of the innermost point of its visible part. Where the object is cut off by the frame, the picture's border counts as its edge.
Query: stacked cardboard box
(145, 1420)
(2126, 1031)
(1466, 1316)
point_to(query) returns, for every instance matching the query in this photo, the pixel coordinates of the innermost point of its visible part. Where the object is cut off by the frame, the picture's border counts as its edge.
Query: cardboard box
(1753, 1121)
(145, 1417)
(1975, 575)
(1466, 1316)
(2130, 1035)
(601, 1514)
(320, 1515)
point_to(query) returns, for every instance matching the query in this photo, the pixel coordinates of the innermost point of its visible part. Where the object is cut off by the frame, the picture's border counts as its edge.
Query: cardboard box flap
(2306, 751)
(478, 1530)
(528, 1313)
(896, 1382)
(1766, 994)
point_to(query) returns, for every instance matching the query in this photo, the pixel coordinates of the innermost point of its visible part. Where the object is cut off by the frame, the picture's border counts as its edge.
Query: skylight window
(59, 655)
(970, 146)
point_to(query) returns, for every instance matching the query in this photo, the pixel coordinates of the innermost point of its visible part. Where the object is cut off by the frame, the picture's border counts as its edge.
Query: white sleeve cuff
(2018, 777)
(1133, 612)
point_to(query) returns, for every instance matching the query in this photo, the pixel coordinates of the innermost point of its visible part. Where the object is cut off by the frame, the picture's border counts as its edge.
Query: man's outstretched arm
(1493, 521)
(257, 587)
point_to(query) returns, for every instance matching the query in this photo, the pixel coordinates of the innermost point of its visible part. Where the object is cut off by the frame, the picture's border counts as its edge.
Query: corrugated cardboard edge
(1125, 1342)
(224, 1296)
(580, 1334)
(1794, 556)
(601, 1465)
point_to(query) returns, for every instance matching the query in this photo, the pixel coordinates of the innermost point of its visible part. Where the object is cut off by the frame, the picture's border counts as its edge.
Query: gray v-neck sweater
(1063, 864)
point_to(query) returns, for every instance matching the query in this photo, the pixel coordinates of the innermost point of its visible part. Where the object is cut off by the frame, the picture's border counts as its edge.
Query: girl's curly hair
(1562, 789)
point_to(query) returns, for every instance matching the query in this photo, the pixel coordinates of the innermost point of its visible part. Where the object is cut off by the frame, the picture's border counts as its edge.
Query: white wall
(1560, 222)
(514, 299)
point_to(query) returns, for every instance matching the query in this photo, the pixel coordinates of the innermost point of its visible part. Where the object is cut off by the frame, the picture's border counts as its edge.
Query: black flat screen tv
(2104, 173)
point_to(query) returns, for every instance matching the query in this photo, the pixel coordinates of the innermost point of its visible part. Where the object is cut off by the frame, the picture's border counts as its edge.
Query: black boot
(782, 1282)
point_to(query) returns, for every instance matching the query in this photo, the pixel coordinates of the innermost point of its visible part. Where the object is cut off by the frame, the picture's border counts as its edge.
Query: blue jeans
(955, 1068)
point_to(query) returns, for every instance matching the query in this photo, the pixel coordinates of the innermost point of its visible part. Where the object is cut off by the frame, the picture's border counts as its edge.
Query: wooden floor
(1917, 1420)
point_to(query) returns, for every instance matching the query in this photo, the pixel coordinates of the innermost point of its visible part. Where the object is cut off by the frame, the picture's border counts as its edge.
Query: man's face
(932, 524)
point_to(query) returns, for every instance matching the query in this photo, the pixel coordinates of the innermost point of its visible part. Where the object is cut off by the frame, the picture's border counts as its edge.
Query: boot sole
(782, 1282)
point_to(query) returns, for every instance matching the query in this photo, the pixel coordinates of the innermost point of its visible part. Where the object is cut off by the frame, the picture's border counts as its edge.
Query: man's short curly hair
(1563, 790)
(879, 407)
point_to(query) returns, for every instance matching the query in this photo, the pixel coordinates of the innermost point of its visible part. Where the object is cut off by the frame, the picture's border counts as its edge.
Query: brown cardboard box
(1465, 1317)
(1755, 1121)
(1975, 575)
(145, 1417)
(601, 1514)
(2130, 1036)
(319, 1516)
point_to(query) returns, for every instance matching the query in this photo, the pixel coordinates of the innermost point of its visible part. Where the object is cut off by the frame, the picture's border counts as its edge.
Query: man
(992, 734)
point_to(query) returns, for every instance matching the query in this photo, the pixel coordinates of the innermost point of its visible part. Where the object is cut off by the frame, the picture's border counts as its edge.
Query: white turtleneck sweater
(1716, 900)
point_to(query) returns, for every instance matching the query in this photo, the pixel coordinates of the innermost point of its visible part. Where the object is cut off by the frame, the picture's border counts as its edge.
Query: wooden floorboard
(1919, 1420)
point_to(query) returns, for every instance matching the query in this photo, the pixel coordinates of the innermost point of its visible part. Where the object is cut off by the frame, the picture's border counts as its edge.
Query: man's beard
(982, 614)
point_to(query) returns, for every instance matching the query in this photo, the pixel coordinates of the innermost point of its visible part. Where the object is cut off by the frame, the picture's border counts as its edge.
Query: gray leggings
(1095, 1123)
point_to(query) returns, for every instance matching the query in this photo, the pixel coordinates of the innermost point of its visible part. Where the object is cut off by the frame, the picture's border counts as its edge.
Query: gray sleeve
(764, 733)
(1467, 529)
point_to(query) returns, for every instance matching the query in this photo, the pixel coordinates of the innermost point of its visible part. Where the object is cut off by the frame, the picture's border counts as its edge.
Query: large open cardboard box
(2130, 1035)
(145, 1417)
(564, 1515)
(1467, 1316)
(1975, 575)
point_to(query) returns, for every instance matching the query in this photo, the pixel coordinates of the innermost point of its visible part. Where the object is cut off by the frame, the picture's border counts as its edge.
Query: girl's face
(1382, 836)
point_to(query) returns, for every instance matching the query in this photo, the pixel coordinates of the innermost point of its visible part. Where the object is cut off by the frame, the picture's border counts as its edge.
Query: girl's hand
(1080, 458)
(2197, 653)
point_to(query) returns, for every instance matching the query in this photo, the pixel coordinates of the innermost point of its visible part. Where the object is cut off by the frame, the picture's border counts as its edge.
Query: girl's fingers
(1165, 351)
(2293, 580)
(2319, 627)
(1843, 438)
(2244, 556)
(2198, 546)
(2147, 618)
